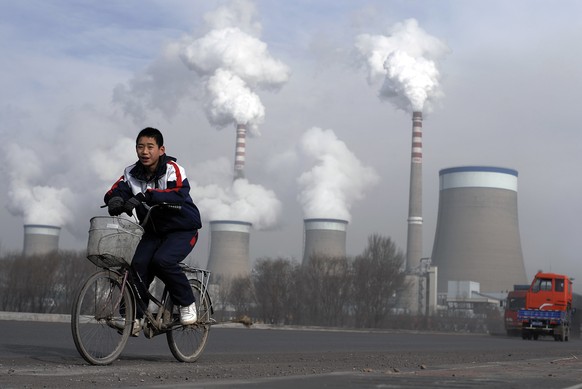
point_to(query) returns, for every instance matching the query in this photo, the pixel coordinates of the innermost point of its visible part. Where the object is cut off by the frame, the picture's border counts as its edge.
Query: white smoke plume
(162, 87)
(406, 60)
(337, 179)
(66, 188)
(232, 64)
(238, 200)
(231, 100)
(29, 192)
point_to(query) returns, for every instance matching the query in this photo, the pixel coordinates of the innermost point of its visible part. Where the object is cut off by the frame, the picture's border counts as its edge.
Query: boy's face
(149, 152)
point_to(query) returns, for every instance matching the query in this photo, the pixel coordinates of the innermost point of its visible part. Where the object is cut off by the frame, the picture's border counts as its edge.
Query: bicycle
(104, 311)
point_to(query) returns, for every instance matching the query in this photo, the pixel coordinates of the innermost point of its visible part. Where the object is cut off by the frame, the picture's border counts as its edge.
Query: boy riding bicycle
(170, 234)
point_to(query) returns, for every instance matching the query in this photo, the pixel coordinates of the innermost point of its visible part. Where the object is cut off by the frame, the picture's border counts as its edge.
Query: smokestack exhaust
(40, 239)
(240, 151)
(414, 236)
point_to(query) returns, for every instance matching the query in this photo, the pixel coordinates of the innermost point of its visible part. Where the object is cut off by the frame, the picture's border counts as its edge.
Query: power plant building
(326, 237)
(229, 254)
(40, 239)
(477, 234)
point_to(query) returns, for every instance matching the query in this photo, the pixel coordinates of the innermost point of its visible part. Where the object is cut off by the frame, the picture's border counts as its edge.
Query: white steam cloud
(162, 87)
(337, 179)
(65, 188)
(232, 64)
(406, 61)
(29, 195)
(238, 200)
(230, 100)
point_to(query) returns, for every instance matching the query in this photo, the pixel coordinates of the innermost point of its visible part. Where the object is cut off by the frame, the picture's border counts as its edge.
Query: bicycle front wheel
(102, 318)
(187, 342)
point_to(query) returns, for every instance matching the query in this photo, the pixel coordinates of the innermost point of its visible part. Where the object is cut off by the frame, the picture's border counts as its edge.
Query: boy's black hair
(151, 132)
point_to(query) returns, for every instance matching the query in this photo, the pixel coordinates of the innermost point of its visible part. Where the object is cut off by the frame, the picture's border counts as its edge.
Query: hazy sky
(79, 79)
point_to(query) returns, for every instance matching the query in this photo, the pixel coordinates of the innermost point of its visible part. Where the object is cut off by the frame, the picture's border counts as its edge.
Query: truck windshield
(515, 303)
(542, 284)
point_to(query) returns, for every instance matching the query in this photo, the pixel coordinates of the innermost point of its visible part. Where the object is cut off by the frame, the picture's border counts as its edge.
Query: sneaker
(188, 314)
(136, 327)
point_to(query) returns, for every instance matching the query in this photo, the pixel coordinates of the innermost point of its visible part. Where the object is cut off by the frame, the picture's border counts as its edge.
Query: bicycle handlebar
(172, 206)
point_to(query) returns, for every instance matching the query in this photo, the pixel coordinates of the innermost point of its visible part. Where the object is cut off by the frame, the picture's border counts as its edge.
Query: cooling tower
(477, 233)
(40, 239)
(414, 236)
(229, 248)
(326, 237)
(240, 151)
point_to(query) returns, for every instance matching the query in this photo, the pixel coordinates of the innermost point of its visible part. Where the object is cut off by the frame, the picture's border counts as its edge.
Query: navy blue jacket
(168, 185)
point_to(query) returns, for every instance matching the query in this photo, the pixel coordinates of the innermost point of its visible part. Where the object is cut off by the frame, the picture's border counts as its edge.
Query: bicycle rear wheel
(102, 318)
(187, 342)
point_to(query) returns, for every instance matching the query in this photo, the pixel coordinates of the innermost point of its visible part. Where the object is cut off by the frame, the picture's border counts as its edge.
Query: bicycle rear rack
(203, 276)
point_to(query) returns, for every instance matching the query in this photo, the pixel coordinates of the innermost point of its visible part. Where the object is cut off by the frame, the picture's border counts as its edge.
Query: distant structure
(40, 239)
(477, 233)
(229, 255)
(325, 237)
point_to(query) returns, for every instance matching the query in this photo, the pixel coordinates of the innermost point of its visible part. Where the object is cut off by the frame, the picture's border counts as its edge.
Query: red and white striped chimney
(414, 238)
(240, 151)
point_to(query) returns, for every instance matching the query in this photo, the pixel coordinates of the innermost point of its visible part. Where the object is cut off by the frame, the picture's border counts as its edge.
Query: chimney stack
(414, 236)
(240, 151)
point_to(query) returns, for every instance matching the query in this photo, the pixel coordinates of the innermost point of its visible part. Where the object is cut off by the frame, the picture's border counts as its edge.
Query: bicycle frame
(161, 321)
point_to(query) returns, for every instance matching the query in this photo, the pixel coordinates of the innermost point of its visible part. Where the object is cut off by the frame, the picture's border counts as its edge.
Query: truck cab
(550, 292)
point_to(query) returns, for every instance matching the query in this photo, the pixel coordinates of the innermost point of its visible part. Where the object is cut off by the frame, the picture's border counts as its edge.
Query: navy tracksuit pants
(159, 256)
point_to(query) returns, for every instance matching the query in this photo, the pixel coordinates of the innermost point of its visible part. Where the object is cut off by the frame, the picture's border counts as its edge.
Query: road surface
(41, 354)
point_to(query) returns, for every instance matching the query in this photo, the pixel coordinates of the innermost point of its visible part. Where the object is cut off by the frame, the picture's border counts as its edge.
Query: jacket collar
(139, 171)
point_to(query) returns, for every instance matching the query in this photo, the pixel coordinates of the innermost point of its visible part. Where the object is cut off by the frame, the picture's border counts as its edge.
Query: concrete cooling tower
(326, 237)
(229, 248)
(40, 239)
(477, 233)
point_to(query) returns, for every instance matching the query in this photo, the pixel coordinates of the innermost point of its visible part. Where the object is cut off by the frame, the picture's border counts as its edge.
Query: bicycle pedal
(149, 332)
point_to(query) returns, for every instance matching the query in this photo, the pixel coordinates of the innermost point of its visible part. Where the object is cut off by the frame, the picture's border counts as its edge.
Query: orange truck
(548, 307)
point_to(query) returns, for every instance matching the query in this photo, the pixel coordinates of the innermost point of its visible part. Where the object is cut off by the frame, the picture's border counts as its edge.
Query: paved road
(42, 354)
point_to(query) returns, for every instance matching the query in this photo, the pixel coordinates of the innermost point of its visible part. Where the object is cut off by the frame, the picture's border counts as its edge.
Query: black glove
(133, 202)
(115, 206)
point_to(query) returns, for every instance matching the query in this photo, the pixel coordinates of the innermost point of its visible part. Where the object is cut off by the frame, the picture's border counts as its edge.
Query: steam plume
(65, 189)
(29, 195)
(238, 200)
(233, 64)
(337, 179)
(406, 61)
